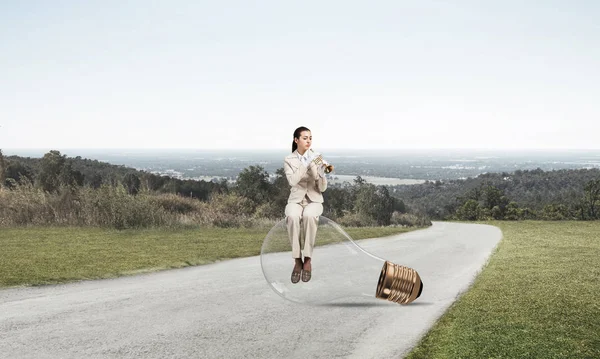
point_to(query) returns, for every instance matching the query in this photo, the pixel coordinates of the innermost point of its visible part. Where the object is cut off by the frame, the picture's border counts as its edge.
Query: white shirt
(304, 158)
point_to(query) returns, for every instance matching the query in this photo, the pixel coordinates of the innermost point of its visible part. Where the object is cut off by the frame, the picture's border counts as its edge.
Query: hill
(559, 194)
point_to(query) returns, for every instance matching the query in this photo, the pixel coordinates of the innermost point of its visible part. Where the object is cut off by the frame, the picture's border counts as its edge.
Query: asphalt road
(228, 310)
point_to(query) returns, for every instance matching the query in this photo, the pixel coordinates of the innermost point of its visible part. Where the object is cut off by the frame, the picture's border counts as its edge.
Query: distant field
(539, 297)
(44, 255)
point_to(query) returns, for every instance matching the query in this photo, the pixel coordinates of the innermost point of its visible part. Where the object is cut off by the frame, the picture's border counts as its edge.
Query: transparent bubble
(341, 269)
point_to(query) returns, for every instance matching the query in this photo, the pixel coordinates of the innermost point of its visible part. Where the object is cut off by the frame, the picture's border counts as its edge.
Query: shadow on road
(368, 305)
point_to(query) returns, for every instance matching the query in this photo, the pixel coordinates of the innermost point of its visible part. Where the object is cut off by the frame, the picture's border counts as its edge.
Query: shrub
(111, 206)
(23, 205)
(177, 204)
(409, 220)
(228, 210)
(270, 211)
(357, 220)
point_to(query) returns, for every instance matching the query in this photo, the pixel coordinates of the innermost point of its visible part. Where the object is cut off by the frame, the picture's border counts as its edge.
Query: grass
(48, 255)
(538, 297)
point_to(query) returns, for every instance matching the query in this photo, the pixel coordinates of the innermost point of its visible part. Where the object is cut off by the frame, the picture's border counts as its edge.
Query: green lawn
(538, 297)
(45, 255)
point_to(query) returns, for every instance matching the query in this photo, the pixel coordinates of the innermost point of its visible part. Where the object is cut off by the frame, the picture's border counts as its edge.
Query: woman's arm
(294, 177)
(318, 173)
(322, 183)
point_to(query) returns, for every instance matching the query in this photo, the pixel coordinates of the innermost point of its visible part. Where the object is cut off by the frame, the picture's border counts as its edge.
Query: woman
(305, 203)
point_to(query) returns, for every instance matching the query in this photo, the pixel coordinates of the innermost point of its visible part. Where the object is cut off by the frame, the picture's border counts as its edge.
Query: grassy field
(538, 297)
(46, 255)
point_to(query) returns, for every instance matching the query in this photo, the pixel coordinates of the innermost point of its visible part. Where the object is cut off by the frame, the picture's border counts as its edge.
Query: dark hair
(297, 133)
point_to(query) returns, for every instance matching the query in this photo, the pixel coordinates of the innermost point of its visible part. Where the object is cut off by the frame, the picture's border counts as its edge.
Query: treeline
(523, 194)
(75, 191)
(54, 170)
(55, 189)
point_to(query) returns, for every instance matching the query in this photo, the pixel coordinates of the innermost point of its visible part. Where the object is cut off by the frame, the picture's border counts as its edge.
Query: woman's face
(304, 141)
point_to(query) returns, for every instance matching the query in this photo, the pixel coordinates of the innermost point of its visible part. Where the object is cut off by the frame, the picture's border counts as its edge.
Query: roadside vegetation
(536, 298)
(60, 191)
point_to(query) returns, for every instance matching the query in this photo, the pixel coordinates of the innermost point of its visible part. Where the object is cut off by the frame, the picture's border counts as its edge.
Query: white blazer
(303, 180)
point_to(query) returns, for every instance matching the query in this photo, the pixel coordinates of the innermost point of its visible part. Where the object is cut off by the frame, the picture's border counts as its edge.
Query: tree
(56, 171)
(592, 198)
(70, 177)
(274, 207)
(18, 172)
(513, 212)
(469, 211)
(359, 181)
(492, 197)
(281, 191)
(399, 205)
(555, 212)
(51, 167)
(375, 202)
(96, 181)
(154, 182)
(2, 169)
(132, 183)
(253, 183)
(337, 202)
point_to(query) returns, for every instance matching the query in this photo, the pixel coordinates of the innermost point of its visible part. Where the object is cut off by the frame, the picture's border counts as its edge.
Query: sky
(245, 74)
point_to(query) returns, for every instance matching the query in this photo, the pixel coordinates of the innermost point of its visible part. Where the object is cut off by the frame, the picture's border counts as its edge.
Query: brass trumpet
(320, 161)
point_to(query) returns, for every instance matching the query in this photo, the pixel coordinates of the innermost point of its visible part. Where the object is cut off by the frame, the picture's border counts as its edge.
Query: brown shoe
(306, 275)
(295, 277)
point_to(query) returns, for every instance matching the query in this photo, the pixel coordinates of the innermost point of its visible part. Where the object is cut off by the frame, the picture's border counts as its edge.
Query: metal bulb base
(398, 284)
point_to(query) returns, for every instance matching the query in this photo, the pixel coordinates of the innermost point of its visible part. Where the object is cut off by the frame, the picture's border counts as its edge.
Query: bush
(23, 205)
(177, 204)
(269, 211)
(409, 220)
(228, 210)
(357, 220)
(105, 207)
(469, 211)
(557, 212)
(114, 207)
(111, 206)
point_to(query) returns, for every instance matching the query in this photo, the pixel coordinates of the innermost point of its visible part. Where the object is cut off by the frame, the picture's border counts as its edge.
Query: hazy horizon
(65, 150)
(375, 165)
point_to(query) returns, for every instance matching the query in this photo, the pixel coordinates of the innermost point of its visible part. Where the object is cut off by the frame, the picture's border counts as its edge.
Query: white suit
(305, 203)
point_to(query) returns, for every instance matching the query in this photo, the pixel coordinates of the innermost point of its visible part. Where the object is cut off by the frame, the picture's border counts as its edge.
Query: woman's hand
(321, 170)
(316, 158)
